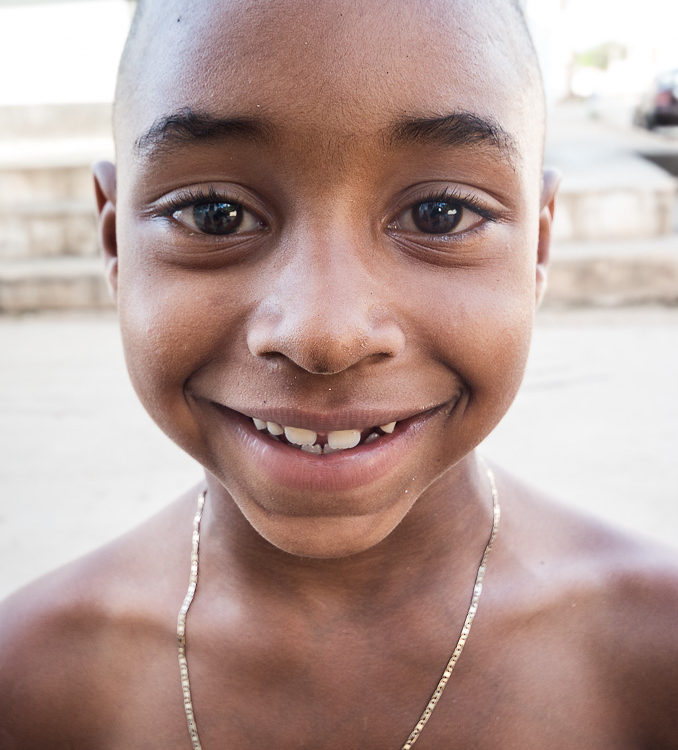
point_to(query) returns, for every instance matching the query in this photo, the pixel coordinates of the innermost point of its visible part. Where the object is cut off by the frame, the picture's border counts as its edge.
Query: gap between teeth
(337, 440)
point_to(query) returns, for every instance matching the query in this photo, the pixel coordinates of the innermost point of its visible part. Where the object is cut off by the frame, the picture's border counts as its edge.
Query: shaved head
(496, 26)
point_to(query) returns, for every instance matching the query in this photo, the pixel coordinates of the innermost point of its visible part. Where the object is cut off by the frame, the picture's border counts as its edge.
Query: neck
(441, 538)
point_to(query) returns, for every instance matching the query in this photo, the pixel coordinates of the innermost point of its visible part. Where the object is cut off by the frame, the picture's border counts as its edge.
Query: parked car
(660, 105)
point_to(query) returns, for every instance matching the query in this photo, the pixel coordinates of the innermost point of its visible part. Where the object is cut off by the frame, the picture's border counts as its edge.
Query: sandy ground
(596, 423)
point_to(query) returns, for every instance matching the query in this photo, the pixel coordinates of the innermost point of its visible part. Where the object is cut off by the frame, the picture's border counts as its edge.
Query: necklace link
(449, 667)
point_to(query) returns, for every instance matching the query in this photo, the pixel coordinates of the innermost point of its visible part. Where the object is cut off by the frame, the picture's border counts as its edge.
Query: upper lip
(355, 418)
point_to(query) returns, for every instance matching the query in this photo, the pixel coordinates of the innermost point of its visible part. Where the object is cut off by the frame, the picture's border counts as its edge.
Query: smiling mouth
(319, 443)
(323, 451)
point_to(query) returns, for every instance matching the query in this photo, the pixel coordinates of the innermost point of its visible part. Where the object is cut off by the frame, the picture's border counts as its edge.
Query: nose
(326, 311)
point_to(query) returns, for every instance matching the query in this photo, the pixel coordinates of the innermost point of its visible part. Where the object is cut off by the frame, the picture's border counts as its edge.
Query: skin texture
(314, 294)
(329, 600)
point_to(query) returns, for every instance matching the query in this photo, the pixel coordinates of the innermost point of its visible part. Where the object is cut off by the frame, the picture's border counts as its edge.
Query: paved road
(596, 423)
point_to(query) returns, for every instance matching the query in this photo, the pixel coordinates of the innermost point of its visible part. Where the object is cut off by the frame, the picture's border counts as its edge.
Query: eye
(436, 217)
(441, 215)
(217, 217)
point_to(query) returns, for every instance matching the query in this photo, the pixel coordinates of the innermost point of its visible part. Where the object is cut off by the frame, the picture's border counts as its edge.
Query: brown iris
(217, 217)
(436, 217)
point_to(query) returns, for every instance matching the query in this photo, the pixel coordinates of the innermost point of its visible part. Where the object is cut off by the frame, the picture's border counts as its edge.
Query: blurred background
(596, 422)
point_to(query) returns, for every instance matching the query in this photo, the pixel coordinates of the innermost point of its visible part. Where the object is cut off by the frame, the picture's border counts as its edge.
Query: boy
(326, 233)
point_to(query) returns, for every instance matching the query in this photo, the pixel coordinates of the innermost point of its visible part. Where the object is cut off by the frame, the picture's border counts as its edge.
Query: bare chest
(514, 700)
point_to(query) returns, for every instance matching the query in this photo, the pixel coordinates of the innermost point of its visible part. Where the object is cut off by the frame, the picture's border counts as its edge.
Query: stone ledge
(59, 284)
(612, 196)
(46, 183)
(610, 274)
(48, 234)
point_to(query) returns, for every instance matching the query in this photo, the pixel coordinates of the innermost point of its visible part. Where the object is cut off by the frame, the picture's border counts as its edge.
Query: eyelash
(188, 197)
(454, 195)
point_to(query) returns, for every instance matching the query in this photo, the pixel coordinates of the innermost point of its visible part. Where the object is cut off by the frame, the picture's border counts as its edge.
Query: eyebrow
(455, 129)
(187, 126)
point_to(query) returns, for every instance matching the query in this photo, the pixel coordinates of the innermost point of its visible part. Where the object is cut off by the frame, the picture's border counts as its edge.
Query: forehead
(336, 67)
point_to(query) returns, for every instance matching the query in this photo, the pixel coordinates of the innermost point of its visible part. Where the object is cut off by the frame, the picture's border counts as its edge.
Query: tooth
(388, 428)
(370, 438)
(300, 436)
(343, 439)
(312, 448)
(260, 424)
(274, 428)
(327, 448)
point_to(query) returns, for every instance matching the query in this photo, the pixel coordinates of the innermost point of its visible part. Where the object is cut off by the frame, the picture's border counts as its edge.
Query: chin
(328, 537)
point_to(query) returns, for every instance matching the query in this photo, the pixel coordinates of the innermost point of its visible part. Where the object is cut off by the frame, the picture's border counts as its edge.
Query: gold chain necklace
(426, 715)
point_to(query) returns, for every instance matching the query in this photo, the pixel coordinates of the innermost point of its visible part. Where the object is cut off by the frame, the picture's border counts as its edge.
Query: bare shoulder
(70, 641)
(637, 635)
(616, 596)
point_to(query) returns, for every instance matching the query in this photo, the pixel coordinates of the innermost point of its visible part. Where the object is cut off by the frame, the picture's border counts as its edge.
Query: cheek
(173, 325)
(484, 319)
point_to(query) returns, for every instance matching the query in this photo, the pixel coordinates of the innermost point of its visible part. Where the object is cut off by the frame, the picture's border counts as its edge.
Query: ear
(105, 191)
(550, 182)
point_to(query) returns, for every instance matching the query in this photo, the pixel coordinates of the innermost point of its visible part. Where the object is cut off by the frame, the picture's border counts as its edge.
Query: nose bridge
(326, 310)
(335, 288)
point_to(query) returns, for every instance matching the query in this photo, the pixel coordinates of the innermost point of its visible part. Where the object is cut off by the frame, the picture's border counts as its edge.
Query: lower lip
(344, 470)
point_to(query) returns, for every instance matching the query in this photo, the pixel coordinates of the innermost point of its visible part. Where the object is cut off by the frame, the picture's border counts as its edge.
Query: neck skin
(440, 540)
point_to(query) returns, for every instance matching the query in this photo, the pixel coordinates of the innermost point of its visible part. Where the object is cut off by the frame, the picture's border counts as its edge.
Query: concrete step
(52, 284)
(48, 229)
(47, 206)
(614, 273)
(611, 195)
(34, 170)
(609, 190)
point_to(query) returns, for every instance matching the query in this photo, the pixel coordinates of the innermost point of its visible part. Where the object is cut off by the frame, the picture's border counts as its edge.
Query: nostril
(322, 343)
(321, 363)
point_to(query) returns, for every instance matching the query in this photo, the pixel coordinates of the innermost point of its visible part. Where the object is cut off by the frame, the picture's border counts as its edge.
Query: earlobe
(549, 188)
(105, 192)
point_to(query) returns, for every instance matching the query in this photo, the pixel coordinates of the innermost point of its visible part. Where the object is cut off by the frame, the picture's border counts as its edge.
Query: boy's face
(327, 217)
